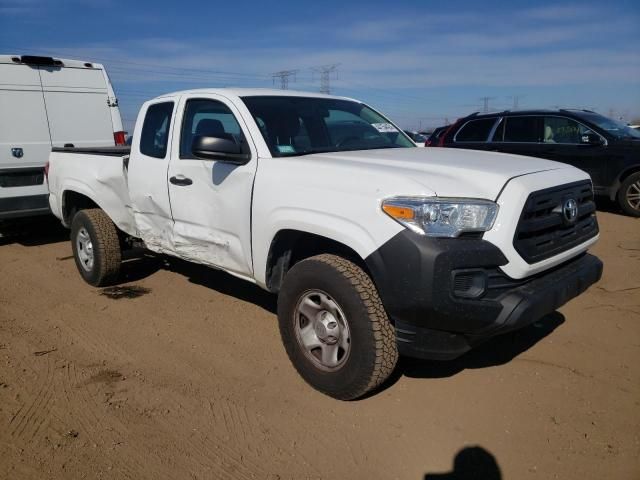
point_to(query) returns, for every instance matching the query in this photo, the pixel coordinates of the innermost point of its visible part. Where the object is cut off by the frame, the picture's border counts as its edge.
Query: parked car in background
(374, 247)
(418, 138)
(47, 102)
(606, 149)
(432, 140)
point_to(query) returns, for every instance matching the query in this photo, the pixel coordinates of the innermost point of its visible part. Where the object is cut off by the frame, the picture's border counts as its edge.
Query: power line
(385, 104)
(284, 75)
(325, 72)
(118, 66)
(391, 93)
(182, 74)
(179, 68)
(170, 75)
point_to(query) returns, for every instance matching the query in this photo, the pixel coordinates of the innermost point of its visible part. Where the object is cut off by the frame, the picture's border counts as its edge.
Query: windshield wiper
(306, 152)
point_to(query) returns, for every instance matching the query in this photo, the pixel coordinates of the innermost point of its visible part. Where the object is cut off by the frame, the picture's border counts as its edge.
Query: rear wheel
(629, 195)
(334, 327)
(96, 247)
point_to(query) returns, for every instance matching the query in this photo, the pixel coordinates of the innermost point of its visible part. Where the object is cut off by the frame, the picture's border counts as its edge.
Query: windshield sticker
(384, 127)
(286, 149)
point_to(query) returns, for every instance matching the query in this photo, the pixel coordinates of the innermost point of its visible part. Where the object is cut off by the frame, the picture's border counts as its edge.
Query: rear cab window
(155, 130)
(475, 130)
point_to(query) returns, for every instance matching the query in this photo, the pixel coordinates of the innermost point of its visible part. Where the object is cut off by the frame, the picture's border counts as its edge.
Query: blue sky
(421, 62)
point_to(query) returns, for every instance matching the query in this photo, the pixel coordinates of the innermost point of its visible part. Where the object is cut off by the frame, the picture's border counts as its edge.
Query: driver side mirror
(592, 139)
(216, 148)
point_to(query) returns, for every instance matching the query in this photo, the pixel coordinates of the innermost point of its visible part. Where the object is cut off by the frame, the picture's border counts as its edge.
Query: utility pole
(325, 72)
(284, 75)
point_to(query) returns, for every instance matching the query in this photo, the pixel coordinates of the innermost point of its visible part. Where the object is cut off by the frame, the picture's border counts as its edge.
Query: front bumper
(416, 278)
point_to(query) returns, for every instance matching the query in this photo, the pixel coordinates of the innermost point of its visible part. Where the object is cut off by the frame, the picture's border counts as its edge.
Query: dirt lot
(181, 375)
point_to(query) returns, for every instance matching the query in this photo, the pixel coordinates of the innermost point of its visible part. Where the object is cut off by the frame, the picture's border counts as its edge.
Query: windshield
(302, 125)
(615, 128)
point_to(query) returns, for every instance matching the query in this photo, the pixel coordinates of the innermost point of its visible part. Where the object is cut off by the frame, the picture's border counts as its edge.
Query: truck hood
(445, 172)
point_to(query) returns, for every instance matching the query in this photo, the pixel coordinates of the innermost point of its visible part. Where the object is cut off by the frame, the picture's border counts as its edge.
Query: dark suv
(608, 150)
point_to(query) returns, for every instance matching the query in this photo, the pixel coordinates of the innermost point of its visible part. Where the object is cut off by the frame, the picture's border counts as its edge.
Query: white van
(48, 102)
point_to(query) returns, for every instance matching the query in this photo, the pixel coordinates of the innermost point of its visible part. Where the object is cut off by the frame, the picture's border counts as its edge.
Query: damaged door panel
(210, 199)
(147, 177)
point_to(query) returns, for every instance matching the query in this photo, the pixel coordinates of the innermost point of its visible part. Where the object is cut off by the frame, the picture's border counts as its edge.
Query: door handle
(181, 180)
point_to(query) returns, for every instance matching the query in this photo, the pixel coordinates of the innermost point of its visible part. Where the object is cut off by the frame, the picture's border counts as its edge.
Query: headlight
(441, 217)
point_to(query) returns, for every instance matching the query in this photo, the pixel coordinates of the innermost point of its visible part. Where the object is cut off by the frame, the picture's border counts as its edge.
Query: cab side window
(209, 118)
(155, 130)
(564, 130)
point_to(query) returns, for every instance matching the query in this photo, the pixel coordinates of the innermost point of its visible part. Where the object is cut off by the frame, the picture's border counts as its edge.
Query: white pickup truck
(374, 247)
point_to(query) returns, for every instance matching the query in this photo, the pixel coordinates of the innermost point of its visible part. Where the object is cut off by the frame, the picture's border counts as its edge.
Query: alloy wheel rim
(633, 195)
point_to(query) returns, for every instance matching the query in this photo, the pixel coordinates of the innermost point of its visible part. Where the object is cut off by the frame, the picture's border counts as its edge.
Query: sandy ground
(182, 375)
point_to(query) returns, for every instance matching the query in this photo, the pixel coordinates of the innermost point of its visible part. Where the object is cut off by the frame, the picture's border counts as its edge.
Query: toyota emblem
(570, 210)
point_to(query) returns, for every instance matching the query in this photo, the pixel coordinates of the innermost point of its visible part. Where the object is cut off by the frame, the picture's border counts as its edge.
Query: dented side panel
(212, 216)
(101, 178)
(147, 179)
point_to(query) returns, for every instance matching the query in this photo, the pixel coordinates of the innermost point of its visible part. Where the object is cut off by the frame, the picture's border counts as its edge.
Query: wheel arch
(290, 246)
(75, 197)
(621, 178)
(73, 202)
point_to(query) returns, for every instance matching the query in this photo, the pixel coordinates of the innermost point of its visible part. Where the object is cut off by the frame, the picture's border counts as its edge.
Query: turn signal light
(399, 212)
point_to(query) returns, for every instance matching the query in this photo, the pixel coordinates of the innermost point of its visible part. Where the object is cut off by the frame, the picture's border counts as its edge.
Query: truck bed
(99, 173)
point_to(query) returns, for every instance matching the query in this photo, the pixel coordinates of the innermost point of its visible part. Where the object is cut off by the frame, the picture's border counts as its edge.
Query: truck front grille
(545, 228)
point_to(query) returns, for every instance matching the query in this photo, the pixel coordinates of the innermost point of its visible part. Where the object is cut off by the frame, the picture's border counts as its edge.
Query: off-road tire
(106, 246)
(631, 182)
(373, 350)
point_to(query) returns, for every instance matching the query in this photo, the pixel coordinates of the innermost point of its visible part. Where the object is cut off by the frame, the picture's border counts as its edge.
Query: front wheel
(334, 327)
(96, 247)
(629, 195)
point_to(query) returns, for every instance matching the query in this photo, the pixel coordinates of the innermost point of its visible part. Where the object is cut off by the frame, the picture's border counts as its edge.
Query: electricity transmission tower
(325, 72)
(284, 75)
(516, 100)
(485, 101)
